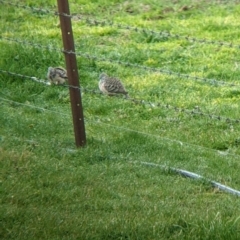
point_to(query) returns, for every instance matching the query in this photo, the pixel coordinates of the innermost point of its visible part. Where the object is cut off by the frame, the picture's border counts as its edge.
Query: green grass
(52, 190)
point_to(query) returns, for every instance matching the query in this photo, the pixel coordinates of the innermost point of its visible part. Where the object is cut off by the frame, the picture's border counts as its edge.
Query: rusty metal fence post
(72, 72)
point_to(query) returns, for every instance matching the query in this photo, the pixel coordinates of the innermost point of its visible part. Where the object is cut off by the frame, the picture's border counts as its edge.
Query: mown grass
(51, 190)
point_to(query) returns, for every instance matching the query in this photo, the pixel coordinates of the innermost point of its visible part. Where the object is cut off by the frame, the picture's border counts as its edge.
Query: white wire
(196, 176)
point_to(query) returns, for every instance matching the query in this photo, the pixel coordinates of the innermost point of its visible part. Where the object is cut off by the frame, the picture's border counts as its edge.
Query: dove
(111, 86)
(57, 75)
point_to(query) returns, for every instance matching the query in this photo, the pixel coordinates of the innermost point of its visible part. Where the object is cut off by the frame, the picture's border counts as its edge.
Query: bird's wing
(114, 85)
(62, 72)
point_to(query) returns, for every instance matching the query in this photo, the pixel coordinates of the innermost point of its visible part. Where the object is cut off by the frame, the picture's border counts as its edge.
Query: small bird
(57, 75)
(111, 86)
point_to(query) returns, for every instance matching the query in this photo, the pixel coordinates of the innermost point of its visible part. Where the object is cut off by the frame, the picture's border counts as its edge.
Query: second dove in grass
(111, 86)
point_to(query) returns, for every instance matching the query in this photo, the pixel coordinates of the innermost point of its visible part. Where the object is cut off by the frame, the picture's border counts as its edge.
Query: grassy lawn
(52, 190)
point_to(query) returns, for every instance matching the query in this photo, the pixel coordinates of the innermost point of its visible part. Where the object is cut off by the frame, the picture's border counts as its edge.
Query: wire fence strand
(124, 63)
(33, 106)
(106, 22)
(100, 123)
(165, 139)
(192, 112)
(33, 9)
(162, 34)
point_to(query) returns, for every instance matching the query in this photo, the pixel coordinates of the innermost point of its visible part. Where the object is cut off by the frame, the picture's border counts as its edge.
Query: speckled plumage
(111, 86)
(57, 75)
